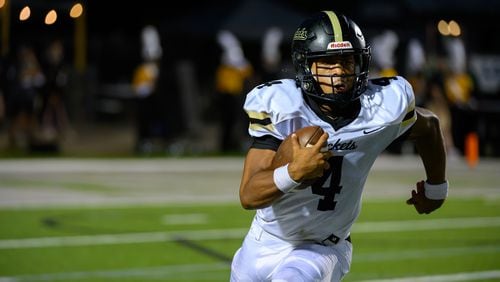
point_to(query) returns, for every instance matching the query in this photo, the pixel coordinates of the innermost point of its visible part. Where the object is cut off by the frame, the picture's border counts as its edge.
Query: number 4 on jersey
(328, 203)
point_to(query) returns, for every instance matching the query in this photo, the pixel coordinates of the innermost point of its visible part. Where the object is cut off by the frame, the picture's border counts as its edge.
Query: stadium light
(454, 28)
(25, 13)
(76, 11)
(51, 17)
(449, 28)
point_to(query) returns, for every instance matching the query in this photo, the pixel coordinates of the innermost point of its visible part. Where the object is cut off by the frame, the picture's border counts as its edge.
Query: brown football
(308, 136)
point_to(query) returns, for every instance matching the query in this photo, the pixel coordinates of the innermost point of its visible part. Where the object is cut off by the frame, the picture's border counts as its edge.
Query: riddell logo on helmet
(339, 45)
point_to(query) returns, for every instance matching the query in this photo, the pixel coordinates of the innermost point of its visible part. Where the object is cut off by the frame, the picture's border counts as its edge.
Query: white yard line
(428, 224)
(151, 237)
(127, 238)
(177, 272)
(193, 218)
(463, 276)
(191, 272)
(427, 253)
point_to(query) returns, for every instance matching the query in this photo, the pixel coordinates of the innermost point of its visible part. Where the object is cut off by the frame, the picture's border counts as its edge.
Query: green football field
(179, 220)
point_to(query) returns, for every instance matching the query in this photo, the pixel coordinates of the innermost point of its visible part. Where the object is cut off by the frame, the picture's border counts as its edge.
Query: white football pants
(264, 257)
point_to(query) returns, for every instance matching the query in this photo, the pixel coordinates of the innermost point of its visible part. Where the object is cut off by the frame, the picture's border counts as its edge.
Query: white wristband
(436, 191)
(283, 180)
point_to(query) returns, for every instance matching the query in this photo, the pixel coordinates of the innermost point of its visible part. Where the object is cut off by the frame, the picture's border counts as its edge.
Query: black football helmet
(326, 34)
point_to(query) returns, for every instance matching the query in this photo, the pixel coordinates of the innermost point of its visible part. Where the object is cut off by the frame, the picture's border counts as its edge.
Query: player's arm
(429, 141)
(258, 188)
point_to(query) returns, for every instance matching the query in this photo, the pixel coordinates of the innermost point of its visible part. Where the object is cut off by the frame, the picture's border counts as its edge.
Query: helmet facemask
(355, 80)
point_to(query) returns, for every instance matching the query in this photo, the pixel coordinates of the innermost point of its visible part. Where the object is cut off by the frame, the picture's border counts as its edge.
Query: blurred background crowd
(153, 79)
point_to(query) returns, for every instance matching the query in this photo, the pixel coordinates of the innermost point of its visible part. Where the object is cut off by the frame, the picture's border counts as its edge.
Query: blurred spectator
(149, 121)
(383, 54)
(416, 70)
(26, 79)
(3, 82)
(271, 54)
(428, 86)
(2, 108)
(52, 116)
(426, 75)
(459, 88)
(232, 77)
(459, 85)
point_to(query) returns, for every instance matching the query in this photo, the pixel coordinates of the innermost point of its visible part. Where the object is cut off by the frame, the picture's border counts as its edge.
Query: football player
(303, 234)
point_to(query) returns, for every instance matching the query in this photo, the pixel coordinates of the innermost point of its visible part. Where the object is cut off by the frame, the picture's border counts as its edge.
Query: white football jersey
(332, 204)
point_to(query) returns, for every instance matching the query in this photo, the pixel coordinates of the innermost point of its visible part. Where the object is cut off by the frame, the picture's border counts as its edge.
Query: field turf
(195, 240)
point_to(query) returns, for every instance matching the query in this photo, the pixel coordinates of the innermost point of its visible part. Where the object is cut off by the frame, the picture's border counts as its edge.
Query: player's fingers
(295, 142)
(414, 195)
(411, 201)
(420, 187)
(321, 141)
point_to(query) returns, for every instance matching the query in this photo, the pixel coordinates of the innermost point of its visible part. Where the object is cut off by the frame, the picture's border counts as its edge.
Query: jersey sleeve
(389, 101)
(273, 109)
(408, 114)
(259, 115)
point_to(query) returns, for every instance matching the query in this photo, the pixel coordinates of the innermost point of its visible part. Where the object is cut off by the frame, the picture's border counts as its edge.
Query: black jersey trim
(265, 121)
(266, 142)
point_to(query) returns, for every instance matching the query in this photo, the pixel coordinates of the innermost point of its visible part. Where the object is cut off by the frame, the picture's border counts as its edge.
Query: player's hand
(308, 162)
(421, 202)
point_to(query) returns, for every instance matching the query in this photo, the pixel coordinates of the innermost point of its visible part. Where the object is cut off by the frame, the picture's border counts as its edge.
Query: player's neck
(338, 117)
(350, 111)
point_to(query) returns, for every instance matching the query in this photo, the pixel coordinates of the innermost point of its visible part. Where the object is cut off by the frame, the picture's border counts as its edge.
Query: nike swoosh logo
(373, 130)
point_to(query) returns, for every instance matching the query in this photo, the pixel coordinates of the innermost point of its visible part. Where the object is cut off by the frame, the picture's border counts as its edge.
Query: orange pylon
(472, 149)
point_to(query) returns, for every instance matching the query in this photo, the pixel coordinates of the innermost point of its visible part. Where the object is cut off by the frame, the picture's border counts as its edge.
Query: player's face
(335, 74)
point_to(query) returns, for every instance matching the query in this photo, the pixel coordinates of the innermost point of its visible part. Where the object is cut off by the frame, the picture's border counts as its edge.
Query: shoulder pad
(395, 93)
(271, 103)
